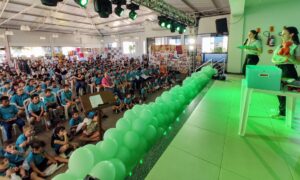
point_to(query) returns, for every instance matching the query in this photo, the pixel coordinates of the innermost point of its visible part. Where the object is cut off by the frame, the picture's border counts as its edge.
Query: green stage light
(132, 15)
(169, 25)
(82, 3)
(50, 2)
(119, 11)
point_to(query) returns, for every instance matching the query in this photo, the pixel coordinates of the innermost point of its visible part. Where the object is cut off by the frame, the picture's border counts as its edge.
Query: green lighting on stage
(82, 3)
(132, 15)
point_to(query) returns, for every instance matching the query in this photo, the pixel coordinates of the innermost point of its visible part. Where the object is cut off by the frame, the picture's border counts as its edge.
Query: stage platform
(208, 146)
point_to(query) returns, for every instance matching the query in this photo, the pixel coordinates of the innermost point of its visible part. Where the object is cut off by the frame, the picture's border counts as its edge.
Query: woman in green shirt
(285, 57)
(253, 48)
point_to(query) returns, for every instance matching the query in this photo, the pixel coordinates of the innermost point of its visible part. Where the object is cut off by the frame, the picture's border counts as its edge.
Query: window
(174, 40)
(214, 44)
(129, 47)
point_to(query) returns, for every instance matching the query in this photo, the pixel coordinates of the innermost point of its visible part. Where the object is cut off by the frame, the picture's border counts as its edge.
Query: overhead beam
(166, 9)
(4, 7)
(41, 16)
(214, 3)
(92, 22)
(67, 26)
(19, 13)
(190, 5)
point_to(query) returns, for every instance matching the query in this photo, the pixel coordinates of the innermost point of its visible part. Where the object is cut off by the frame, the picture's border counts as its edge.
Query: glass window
(129, 47)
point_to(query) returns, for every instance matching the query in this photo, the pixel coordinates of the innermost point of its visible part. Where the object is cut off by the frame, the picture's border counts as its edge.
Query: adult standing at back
(107, 83)
(285, 57)
(253, 48)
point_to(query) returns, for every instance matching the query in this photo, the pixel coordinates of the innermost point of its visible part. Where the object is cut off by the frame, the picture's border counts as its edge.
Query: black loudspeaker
(221, 26)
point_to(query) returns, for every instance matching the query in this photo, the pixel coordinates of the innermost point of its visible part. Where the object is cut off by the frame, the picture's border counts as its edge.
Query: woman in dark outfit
(285, 57)
(253, 49)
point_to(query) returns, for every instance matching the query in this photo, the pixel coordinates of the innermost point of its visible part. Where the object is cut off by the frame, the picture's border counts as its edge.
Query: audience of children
(27, 157)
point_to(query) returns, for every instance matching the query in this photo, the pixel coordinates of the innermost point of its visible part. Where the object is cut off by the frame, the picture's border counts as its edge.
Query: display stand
(96, 102)
(246, 93)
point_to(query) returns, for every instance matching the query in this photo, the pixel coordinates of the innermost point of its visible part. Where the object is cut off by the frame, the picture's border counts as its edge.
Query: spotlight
(50, 2)
(169, 24)
(82, 3)
(132, 15)
(162, 21)
(119, 10)
(182, 29)
(103, 8)
(133, 7)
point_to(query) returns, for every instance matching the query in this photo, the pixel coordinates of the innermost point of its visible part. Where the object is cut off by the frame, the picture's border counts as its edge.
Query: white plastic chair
(64, 105)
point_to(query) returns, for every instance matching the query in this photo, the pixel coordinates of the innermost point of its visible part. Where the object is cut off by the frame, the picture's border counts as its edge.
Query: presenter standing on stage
(253, 48)
(285, 57)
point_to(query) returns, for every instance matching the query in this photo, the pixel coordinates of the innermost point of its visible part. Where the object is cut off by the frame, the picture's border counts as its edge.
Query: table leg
(244, 111)
(290, 107)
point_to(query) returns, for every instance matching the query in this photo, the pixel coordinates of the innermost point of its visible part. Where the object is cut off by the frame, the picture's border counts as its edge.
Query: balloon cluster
(140, 128)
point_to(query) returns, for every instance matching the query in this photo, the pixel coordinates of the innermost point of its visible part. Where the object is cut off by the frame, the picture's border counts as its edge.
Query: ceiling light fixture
(133, 7)
(50, 2)
(103, 8)
(82, 3)
(119, 11)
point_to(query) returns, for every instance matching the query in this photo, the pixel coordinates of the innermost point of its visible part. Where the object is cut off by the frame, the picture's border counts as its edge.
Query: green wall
(263, 15)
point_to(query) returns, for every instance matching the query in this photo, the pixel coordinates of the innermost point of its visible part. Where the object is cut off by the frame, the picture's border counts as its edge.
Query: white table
(246, 99)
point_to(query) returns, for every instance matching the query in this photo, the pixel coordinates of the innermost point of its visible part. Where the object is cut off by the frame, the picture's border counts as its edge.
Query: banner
(172, 56)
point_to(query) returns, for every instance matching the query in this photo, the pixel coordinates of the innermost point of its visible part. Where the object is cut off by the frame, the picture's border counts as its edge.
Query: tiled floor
(208, 146)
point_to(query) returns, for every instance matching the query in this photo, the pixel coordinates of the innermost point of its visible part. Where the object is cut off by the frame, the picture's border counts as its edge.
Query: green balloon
(81, 162)
(154, 122)
(139, 126)
(109, 148)
(64, 176)
(160, 133)
(116, 134)
(123, 124)
(131, 140)
(137, 108)
(98, 155)
(143, 147)
(130, 114)
(150, 133)
(120, 169)
(124, 154)
(104, 170)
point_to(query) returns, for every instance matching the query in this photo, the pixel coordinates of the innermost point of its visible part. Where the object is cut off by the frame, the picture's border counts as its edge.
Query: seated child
(24, 139)
(38, 90)
(55, 111)
(67, 98)
(60, 141)
(36, 109)
(91, 130)
(118, 106)
(128, 101)
(13, 155)
(74, 122)
(7, 169)
(38, 160)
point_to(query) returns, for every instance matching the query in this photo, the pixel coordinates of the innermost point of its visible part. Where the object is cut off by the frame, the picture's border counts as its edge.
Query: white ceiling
(68, 17)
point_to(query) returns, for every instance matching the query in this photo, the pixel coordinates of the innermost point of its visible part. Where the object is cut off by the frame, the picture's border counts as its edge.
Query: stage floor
(208, 146)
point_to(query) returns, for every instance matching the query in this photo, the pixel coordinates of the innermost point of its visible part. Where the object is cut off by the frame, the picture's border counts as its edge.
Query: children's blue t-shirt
(74, 122)
(22, 138)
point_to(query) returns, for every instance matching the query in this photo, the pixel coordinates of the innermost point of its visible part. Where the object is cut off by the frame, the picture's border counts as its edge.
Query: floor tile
(201, 143)
(227, 175)
(255, 160)
(178, 165)
(213, 122)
